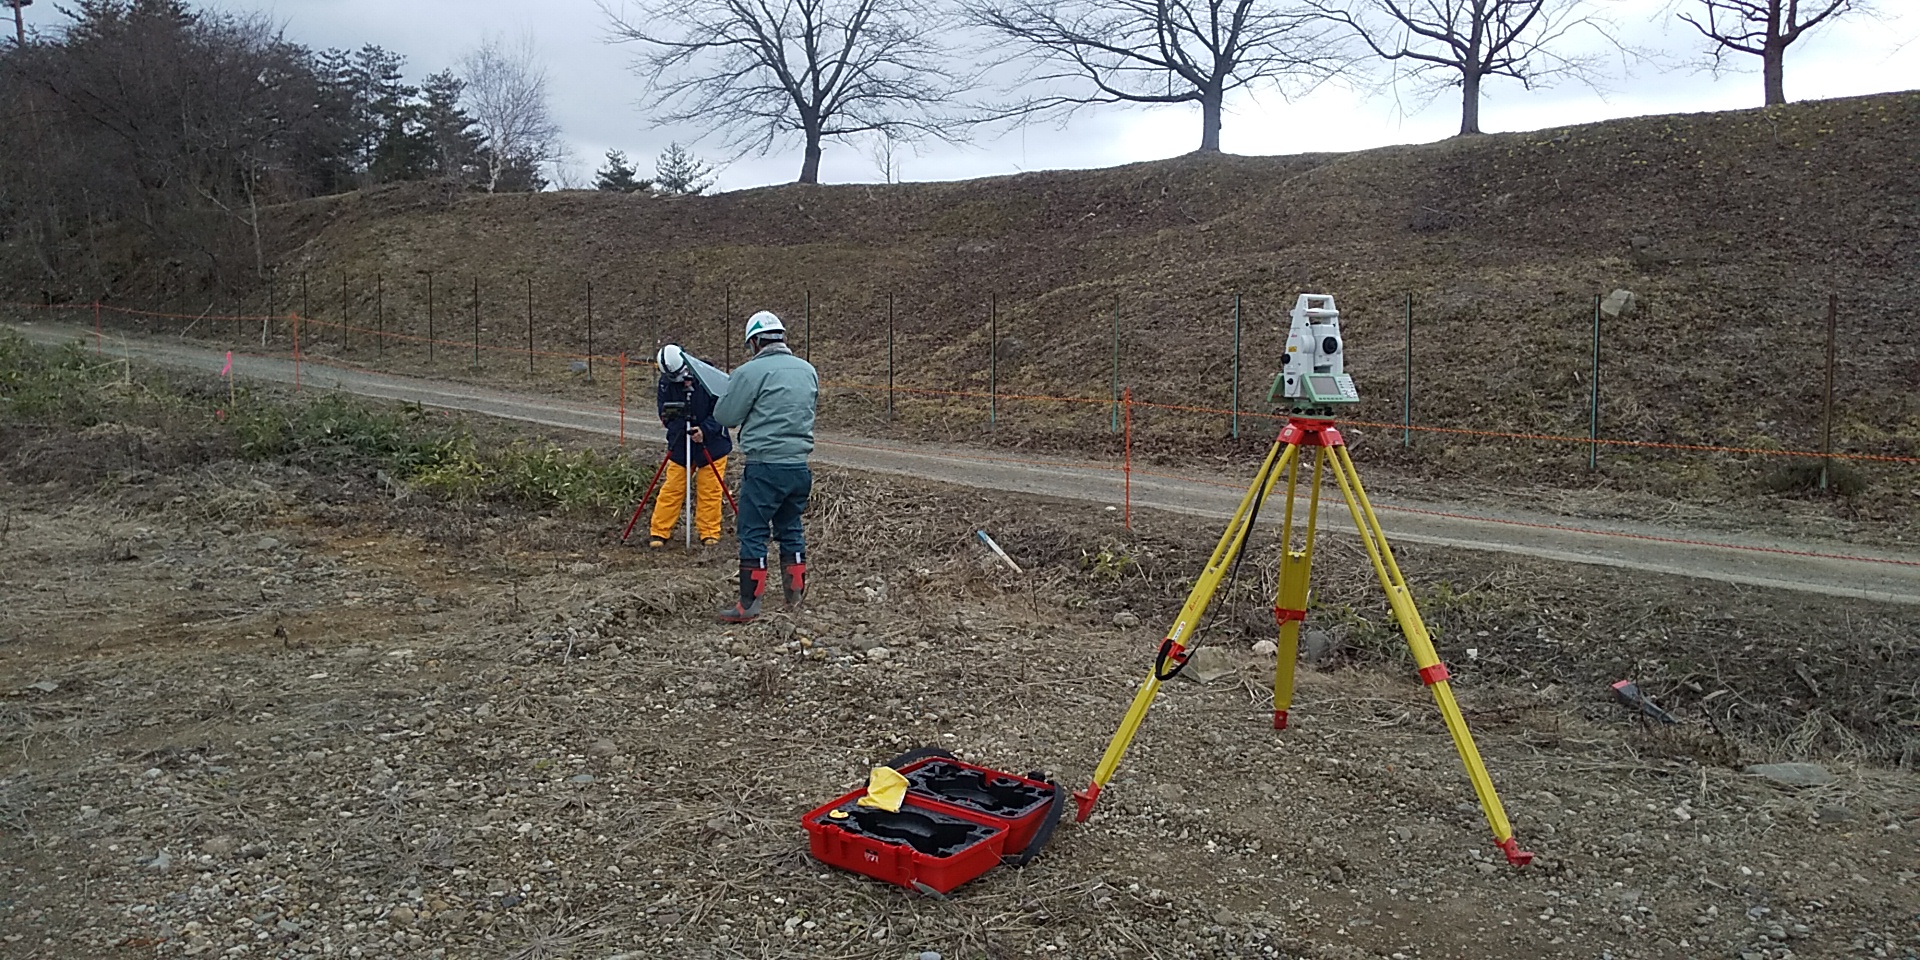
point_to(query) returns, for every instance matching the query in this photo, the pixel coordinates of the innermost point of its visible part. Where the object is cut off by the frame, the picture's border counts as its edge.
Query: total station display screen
(1322, 385)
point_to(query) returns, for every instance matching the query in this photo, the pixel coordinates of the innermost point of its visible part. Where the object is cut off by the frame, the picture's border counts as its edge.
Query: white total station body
(1314, 345)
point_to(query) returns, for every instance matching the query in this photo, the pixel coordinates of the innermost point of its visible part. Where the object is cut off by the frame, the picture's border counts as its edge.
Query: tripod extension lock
(1330, 455)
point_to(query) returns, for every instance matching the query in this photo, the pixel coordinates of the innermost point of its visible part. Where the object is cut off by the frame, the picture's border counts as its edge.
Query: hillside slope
(1731, 228)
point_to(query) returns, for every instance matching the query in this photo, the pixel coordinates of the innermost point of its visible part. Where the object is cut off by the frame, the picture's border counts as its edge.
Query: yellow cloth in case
(886, 789)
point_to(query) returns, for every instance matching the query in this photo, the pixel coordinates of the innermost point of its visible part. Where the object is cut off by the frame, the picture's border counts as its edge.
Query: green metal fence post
(346, 343)
(1826, 417)
(1114, 424)
(993, 361)
(889, 355)
(1406, 396)
(1593, 404)
(1236, 366)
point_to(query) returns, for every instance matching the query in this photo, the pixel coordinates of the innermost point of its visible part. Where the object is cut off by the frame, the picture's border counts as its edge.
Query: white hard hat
(671, 360)
(765, 324)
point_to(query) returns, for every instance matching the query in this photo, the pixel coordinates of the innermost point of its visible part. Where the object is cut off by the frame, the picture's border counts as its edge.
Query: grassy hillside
(1731, 228)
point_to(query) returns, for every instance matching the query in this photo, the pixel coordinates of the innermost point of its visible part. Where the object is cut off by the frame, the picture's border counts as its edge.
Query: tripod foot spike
(1516, 856)
(1280, 719)
(1084, 800)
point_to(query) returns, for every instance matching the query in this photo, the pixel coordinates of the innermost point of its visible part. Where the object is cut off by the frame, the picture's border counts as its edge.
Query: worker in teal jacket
(770, 399)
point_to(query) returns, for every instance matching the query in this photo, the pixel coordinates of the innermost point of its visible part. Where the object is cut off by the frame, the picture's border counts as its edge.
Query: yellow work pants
(706, 500)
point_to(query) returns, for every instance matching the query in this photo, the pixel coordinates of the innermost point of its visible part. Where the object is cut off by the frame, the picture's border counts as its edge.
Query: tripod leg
(658, 472)
(717, 475)
(1432, 671)
(1290, 605)
(1173, 648)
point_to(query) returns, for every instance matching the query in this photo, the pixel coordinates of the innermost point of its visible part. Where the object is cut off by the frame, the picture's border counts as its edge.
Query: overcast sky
(595, 94)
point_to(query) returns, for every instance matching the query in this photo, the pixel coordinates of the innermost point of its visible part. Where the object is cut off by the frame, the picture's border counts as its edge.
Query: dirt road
(1836, 569)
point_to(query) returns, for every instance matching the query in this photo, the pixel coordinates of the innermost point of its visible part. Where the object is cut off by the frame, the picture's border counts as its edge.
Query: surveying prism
(1312, 383)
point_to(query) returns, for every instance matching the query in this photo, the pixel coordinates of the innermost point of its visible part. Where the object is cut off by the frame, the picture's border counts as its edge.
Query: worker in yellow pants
(706, 501)
(696, 442)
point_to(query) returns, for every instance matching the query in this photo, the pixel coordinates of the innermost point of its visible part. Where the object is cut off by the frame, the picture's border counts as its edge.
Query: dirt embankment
(1731, 229)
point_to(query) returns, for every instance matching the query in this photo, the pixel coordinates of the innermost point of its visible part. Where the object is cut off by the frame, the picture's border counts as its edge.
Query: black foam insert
(931, 832)
(992, 793)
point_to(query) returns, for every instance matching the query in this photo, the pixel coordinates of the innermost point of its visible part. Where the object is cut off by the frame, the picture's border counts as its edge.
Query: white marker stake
(982, 534)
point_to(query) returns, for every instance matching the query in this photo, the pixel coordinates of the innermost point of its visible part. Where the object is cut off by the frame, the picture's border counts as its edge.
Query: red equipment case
(957, 822)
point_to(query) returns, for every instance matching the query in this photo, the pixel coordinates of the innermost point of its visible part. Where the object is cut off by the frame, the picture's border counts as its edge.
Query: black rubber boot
(753, 583)
(793, 579)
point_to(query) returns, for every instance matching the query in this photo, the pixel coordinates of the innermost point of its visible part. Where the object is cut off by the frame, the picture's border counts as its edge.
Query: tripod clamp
(1170, 652)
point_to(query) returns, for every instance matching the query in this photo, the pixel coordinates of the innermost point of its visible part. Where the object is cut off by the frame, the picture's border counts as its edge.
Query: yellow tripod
(1290, 609)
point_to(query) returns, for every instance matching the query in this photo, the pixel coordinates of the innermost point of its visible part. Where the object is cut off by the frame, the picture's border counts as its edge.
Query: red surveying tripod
(661, 471)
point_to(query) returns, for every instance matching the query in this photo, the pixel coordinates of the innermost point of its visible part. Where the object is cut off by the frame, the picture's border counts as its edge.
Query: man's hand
(698, 435)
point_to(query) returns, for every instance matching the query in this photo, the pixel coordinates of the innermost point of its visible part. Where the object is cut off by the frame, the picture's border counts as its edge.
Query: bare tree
(1763, 28)
(506, 92)
(1463, 42)
(753, 70)
(168, 123)
(1087, 52)
(884, 151)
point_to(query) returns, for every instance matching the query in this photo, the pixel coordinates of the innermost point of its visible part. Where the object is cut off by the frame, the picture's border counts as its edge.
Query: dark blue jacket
(699, 409)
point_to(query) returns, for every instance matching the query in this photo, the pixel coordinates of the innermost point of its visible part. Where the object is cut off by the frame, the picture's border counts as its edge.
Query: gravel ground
(248, 711)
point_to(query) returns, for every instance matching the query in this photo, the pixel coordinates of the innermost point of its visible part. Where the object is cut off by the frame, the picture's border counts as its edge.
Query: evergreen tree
(320, 156)
(402, 151)
(617, 176)
(333, 144)
(453, 144)
(679, 173)
(519, 173)
(378, 110)
(389, 130)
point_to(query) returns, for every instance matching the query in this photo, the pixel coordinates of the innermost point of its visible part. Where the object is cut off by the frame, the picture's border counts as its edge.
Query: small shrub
(551, 476)
(1803, 479)
(444, 460)
(1108, 564)
(1368, 639)
(160, 421)
(334, 430)
(461, 475)
(61, 385)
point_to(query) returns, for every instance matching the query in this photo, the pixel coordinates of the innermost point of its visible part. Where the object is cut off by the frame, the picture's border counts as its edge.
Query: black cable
(1160, 672)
